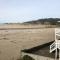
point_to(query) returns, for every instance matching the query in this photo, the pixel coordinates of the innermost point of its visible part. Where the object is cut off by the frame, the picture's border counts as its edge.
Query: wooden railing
(52, 47)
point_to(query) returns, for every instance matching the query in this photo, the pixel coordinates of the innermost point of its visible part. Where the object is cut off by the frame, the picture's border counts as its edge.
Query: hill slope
(52, 21)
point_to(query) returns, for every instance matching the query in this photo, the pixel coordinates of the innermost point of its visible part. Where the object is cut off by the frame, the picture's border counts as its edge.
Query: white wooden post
(56, 46)
(56, 53)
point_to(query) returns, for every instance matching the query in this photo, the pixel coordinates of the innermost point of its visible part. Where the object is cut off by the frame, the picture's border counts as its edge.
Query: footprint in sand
(13, 41)
(5, 38)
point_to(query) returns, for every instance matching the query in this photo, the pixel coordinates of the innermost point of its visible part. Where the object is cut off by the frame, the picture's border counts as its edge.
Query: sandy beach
(12, 41)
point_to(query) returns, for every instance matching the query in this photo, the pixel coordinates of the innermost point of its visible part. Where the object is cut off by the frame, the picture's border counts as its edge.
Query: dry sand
(13, 41)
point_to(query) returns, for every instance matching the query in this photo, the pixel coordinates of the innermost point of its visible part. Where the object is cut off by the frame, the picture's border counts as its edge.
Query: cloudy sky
(25, 10)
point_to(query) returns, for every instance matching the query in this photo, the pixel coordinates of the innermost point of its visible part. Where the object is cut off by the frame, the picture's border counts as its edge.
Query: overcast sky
(25, 10)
